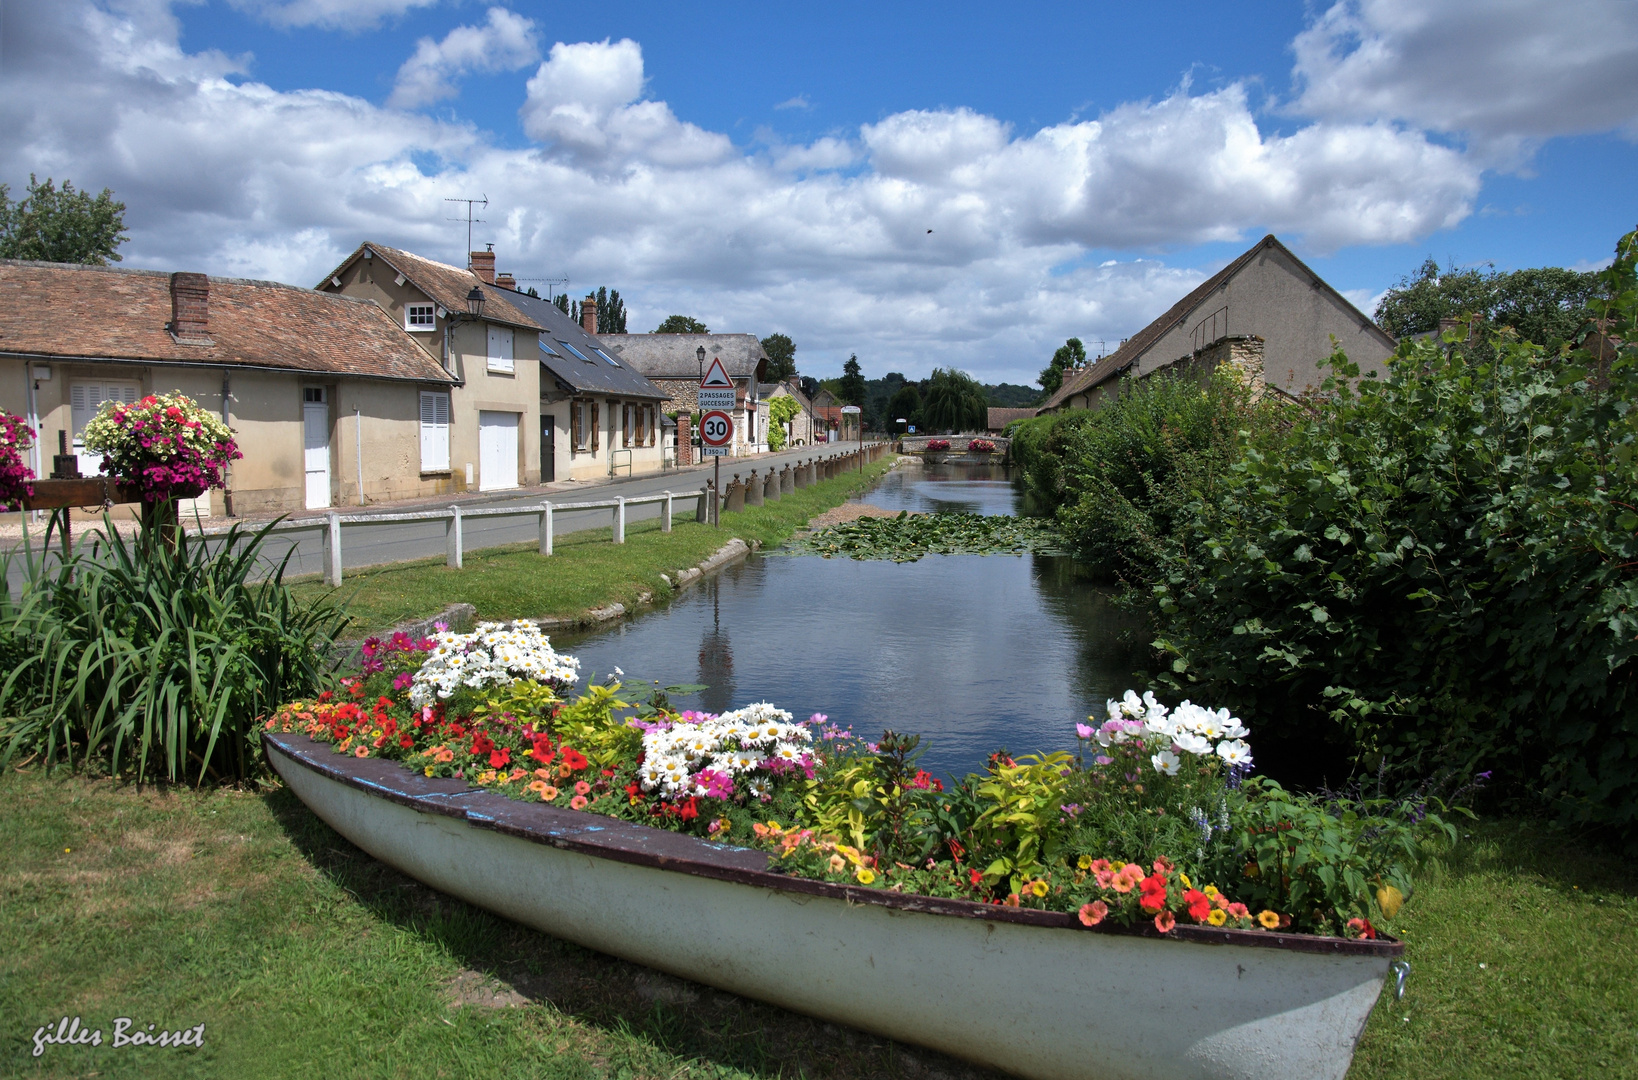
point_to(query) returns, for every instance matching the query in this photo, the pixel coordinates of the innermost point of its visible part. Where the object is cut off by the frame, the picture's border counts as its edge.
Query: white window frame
(411, 311)
(434, 458)
(506, 338)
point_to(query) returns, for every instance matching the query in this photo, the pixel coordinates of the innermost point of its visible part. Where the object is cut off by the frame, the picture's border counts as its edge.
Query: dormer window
(420, 317)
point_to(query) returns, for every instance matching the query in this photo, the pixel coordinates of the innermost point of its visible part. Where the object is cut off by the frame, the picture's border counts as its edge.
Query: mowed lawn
(587, 570)
(305, 957)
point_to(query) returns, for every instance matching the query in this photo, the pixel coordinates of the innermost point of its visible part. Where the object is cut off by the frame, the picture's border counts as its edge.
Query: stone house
(1266, 295)
(610, 415)
(324, 392)
(483, 433)
(803, 424)
(676, 362)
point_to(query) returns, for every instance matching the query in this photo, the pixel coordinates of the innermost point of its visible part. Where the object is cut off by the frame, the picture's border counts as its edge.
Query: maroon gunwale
(642, 845)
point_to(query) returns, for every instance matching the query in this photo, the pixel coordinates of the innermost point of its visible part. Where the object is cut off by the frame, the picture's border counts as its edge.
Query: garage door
(497, 450)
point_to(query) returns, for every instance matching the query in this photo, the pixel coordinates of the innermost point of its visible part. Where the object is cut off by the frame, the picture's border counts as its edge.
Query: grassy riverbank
(303, 956)
(586, 570)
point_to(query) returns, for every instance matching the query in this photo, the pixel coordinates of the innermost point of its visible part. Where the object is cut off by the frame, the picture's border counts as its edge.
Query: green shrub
(156, 660)
(1119, 478)
(1438, 566)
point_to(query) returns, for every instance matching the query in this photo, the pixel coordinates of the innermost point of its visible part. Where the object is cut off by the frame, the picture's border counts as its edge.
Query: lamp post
(474, 302)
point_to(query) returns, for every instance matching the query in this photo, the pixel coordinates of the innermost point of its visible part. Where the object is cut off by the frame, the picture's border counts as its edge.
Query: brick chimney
(506, 281)
(483, 264)
(588, 314)
(190, 308)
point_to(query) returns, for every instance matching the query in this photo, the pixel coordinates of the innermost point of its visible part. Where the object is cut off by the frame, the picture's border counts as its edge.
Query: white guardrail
(453, 518)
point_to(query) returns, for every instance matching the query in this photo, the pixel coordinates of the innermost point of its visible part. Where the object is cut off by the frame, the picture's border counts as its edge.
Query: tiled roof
(444, 284)
(674, 356)
(1000, 418)
(594, 375)
(114, 313)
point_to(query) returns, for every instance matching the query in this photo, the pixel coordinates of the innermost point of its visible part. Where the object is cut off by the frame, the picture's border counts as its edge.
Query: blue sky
(773, 169)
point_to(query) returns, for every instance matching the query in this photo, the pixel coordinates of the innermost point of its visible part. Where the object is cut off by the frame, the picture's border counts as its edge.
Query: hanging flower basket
(165, 445)
(16, 437)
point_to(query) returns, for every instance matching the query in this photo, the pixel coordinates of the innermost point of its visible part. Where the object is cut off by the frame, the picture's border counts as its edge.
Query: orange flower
(577, 803)
(1165, 921)
(361, 751)
(582, 788)
(1092, 914)
(544, 774)
(538, 787)
(1268, 919)
(1012, 900)
(548, 793)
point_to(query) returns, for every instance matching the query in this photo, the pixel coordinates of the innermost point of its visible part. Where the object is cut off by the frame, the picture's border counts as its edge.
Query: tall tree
(611, 311)
(851, 389)
(562, 302)
(781, 352)
(810, 386)
(61, 225)
(1070, 355)
(954, 401)
(905, 405)
(1546, 305)
(681, 324)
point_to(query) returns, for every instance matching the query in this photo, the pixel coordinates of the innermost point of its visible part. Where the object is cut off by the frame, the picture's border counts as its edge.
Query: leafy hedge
(1439, 566)
(1119, 479)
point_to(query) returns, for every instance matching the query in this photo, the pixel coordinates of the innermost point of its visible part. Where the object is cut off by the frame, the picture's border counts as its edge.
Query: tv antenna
(548, 282)
(469, 219)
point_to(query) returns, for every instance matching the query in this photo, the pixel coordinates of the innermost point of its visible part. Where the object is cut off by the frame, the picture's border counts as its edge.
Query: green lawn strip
(1556, 930)
(305, 957)
(586, 570)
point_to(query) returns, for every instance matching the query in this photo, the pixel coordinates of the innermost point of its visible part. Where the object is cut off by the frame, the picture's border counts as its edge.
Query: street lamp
(700, 353)
(474, 302)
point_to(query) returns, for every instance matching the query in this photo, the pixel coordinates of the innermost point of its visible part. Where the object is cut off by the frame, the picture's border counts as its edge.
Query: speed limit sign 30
(716, 433)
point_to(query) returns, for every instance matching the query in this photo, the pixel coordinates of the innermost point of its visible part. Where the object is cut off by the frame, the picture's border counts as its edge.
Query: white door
(497, 450)
(85, 400)
(315, 417)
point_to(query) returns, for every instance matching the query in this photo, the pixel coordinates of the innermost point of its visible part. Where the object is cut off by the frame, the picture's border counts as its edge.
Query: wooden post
(545, 528)
(452, 538)
(332, 570)
(619, 519)
(665, 514)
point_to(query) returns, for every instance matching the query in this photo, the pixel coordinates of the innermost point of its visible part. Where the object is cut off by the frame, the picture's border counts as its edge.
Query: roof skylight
(573, 351)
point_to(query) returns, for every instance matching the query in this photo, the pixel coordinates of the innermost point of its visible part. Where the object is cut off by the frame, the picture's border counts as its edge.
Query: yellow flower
(1187, 884)
(1085, 863)
(865, 875)
(1038, 887)
(1210, 890)
(429, 770)
(1218, 917)
(1268, 919)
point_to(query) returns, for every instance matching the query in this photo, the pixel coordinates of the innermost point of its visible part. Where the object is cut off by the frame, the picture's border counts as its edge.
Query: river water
(972, 652)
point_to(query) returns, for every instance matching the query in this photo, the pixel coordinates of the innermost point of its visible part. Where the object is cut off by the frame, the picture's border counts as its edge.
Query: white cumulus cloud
(505, 42)
(1506, 73)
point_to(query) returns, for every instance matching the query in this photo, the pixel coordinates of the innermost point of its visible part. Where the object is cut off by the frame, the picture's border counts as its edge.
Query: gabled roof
(112, 313)
(443, 284)
(592, 375)
(1000, 418)
(674, 356)
(1135, 346)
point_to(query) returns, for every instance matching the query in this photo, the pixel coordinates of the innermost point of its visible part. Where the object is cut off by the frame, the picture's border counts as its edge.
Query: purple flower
(403, 680)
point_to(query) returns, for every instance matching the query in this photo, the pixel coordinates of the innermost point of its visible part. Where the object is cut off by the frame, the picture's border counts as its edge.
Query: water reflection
(973, 652)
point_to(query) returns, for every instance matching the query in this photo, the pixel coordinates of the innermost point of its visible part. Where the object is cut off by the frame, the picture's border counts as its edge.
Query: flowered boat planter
(1028, 992)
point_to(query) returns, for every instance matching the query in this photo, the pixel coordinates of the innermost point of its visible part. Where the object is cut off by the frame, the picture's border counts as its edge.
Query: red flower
(575, 760)
(608, 772)
(1362, 928)
(690, 809)
(1154, 892)
(500, 757)
(542, 750)
(956, 850)
(1199, 904)
(406, 740)
(481, 744)
(976, 877)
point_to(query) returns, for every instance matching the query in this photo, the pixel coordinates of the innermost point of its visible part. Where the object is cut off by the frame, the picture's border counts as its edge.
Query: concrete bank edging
(728, 554)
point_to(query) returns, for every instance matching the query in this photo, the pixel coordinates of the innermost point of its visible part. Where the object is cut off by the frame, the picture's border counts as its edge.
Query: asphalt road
(370, 545)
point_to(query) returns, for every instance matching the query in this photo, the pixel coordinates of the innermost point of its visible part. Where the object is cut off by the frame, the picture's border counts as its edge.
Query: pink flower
(1165, 921)
(1084, 731)
(1092, 914)
(582, 788)
(577, 803)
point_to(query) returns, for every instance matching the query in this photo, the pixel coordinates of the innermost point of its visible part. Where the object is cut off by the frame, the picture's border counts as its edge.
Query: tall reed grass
(156, 660)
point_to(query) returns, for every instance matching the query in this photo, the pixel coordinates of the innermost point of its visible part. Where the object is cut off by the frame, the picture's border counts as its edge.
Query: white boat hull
(1028, 993)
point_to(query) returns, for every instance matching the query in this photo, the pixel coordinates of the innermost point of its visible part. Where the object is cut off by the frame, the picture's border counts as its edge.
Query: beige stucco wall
(266, 414)
(594, 464)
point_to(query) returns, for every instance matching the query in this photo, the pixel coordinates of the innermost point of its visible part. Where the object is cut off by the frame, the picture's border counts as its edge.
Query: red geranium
(576, 761)
(542, 749)
(500, 758)
(1154, 892)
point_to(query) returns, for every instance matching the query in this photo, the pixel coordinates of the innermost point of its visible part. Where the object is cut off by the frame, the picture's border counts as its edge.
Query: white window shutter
(434, 432)
(500, 348)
